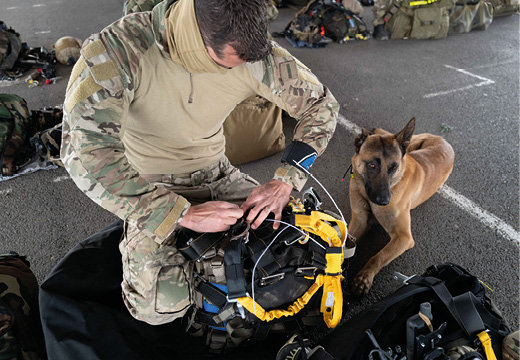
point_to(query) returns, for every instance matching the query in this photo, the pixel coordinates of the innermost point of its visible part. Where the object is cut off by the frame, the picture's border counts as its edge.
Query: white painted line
(61, 178)
(349, 125)
(42, 32)
(485, 81)
(5, 192)
(39, 5)
(484, 216)
(12, 8)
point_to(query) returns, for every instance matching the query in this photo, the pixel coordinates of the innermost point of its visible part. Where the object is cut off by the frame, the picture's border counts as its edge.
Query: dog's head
(378, 160)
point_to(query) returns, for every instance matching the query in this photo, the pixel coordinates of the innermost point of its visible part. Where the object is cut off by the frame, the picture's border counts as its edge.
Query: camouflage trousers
(156, 277)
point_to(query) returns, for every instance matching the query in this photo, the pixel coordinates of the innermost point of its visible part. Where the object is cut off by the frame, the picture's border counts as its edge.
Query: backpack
(21, 335)
(462, 317)
(251, 282)
(324, 20)
(15, 129)
(25, 134)
(467, 16)
(10, 47)
(505, 7)
(418, 19)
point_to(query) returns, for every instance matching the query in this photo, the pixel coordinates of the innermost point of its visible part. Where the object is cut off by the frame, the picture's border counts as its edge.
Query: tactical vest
(249, 282)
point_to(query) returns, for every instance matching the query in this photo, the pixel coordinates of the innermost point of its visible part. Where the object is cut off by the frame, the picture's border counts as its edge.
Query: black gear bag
(462, 316)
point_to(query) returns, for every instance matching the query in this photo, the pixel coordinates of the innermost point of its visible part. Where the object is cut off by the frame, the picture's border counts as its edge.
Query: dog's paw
(362, 283)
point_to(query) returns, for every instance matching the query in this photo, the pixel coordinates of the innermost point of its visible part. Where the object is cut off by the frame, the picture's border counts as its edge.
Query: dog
(392, 174)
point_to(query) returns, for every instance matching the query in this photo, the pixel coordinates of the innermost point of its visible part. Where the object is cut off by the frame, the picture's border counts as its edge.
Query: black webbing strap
(208, 318)
(212, 293)
(234, 263)
(462, 307)
(197, 244)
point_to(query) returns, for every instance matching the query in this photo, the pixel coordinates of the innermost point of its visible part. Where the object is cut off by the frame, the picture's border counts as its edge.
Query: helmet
(67, 50)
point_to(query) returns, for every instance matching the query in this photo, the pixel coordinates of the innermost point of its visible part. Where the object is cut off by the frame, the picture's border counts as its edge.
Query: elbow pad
(300, 155)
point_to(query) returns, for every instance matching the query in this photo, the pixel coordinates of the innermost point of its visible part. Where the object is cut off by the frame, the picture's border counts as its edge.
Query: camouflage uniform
(108, 115)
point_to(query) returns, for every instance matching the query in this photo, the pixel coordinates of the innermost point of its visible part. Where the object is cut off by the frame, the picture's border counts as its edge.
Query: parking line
(484, 216)
(42, 32)
(485, 81)
(61, 178)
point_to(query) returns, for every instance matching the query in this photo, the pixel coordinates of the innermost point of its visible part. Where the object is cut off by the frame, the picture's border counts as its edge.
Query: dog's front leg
(397, 225)
(361, 211)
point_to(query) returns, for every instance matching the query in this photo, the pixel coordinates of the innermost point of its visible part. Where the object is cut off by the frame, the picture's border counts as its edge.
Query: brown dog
(391, 175)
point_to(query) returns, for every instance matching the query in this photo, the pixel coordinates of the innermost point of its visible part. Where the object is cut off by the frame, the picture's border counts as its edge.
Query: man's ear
(360, 139)
(405, 135)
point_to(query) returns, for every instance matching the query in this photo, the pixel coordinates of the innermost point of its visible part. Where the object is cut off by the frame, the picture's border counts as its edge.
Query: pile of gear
(20, 63)
(29, 140)
(436, 19)
(324, 21)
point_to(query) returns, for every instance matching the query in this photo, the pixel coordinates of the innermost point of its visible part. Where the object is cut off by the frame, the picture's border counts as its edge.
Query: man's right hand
(211, 216)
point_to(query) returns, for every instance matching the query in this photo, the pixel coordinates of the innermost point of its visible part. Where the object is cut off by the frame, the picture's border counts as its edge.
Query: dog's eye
(393, 168)
(371, 165)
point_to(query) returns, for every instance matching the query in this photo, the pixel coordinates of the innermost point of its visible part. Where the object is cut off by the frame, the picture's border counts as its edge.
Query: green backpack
(10, 47)
(21, 334)
(15, 129)
(25, 134)
(418, 19)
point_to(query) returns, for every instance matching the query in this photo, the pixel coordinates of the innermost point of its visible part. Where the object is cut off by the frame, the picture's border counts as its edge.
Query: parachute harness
(332, 300)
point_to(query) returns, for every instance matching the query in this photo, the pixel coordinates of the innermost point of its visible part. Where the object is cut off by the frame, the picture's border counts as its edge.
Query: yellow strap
(332, 299)
(254, 308)
(314, 224)
(422, 2)
(486, 344)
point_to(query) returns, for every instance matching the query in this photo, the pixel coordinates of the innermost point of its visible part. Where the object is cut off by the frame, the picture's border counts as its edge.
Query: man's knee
(156, 286)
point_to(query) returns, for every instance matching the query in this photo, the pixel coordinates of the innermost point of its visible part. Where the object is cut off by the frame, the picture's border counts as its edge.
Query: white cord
(330, 197)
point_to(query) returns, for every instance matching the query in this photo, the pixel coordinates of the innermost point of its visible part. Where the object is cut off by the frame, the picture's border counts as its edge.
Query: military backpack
(10, 47)
(418, 19)
(21, 334)
(25, 134)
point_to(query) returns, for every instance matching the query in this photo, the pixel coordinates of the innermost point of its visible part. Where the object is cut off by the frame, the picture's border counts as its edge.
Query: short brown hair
(240, 23)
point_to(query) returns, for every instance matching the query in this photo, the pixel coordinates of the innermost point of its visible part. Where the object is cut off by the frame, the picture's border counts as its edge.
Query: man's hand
(211, 216)
(267, 198)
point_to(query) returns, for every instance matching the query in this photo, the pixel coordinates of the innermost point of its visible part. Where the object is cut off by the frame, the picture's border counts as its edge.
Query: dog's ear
(405, 135)
(360, 139)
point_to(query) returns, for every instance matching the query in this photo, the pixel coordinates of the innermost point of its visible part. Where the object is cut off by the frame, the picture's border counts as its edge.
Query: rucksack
(10, 47)
(324, 20)
(463, 319)
(21, 335)
(24, 134)
(15, 129)
(418, 19)
(467, 16)
(250, 282)
(505, 7)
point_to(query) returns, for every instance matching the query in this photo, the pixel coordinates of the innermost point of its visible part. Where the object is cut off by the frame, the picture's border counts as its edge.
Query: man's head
(233, 30)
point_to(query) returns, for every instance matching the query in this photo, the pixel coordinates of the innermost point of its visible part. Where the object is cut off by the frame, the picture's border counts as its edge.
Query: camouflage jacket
(100, 117)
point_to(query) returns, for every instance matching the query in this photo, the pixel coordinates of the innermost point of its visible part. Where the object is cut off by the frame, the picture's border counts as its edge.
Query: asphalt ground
(464, 87)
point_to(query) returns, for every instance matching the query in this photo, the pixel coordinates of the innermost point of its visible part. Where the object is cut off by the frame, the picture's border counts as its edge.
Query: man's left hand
(267, 198)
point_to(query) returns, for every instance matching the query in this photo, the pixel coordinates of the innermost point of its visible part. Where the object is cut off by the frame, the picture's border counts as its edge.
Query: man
(142, 133)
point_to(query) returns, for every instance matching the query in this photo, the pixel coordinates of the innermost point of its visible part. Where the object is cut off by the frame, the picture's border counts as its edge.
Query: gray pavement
(467, 83)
